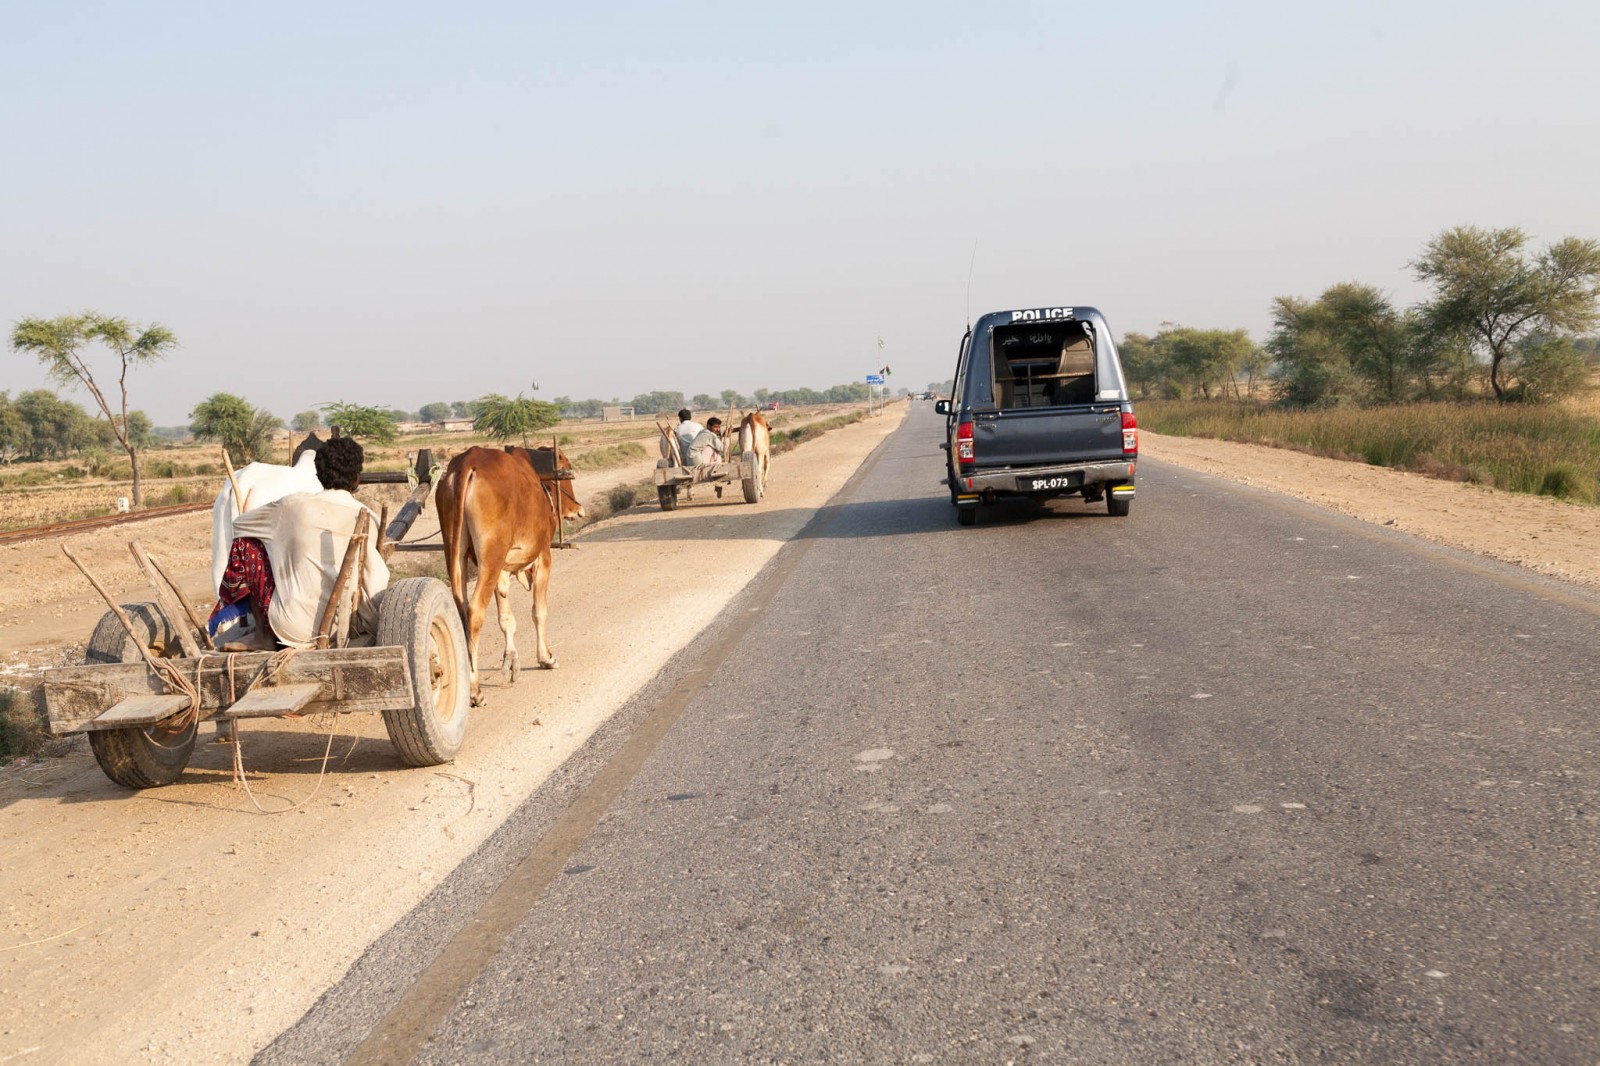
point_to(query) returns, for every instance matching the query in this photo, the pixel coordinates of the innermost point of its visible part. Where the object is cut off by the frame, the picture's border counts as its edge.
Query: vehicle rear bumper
(1022, 480)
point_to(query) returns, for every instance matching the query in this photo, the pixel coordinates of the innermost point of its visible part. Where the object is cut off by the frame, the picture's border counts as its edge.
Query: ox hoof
(549, 664)
(478, 699)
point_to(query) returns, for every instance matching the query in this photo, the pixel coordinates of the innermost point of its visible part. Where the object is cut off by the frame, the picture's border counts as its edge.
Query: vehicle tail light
(1130, 434)
(964, 442)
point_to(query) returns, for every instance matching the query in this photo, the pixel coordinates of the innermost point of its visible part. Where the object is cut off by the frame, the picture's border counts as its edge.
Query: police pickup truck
(1039, 409)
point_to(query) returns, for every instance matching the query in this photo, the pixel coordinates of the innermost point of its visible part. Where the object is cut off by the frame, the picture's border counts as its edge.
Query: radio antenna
(972, 263)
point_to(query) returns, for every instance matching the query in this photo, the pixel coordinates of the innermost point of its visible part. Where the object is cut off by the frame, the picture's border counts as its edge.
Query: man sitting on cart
(708, 445)
(286, 556)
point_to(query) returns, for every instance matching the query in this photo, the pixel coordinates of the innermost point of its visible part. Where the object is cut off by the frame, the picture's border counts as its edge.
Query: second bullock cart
(674, 474)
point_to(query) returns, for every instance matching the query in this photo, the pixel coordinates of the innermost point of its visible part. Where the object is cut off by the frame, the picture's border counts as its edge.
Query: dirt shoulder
(1554, 538)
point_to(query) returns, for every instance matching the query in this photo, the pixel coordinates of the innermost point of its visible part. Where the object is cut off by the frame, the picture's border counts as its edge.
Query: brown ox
(755, 439)
(498, 515)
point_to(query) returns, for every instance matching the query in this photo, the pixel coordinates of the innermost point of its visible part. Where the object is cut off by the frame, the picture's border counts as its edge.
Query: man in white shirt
(688, 430)
(304, 537)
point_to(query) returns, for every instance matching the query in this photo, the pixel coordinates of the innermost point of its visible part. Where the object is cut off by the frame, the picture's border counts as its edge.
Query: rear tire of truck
(966, 516)
(1117, 506)
(418, 614)
(146, 756)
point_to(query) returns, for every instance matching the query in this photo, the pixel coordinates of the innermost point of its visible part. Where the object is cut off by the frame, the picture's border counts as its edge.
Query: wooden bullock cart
(672, 475)
(151, 675)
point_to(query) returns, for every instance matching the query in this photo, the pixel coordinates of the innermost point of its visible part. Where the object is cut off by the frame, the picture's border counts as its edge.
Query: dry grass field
(1540, 450)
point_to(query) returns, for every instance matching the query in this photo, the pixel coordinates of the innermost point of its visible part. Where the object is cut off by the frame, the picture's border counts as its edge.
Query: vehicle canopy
(1039, 357)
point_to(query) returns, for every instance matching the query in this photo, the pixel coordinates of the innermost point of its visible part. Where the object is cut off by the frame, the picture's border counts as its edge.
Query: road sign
(874, 379)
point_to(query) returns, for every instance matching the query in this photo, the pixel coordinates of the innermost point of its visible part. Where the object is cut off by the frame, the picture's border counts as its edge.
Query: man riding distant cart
(692, 454)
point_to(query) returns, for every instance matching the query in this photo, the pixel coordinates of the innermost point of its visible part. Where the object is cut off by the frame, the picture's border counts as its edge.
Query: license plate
(1051, 483)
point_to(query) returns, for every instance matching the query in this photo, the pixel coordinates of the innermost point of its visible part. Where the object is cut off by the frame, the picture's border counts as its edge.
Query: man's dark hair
(339, 464)
(684, 415)
(713, 422)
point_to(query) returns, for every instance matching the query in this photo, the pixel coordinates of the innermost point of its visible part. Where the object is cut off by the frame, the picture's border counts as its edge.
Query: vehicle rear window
(1042, 364)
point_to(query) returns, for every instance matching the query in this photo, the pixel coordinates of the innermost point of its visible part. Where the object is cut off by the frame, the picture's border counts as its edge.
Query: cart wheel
(754, 486)
(668, 495)
(139, 756)
(417, 613)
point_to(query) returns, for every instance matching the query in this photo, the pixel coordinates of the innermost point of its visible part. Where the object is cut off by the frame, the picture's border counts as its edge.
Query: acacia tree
(244, 430)
(1488, 292)
(503, 418)
(1209, 359)
(58, 343)
(356, 420)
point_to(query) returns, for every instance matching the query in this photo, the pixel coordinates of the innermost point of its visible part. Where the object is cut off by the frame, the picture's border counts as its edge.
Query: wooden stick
(243, 500)
(122, 616)
(357, 542)
(673, 451)
(164, 601)
(383, 530)
(189, 610)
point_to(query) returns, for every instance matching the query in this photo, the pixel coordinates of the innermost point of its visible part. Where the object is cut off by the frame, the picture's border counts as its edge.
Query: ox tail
(458, 561)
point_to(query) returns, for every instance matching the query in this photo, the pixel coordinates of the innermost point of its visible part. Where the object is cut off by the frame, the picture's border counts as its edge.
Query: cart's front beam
(346, 680)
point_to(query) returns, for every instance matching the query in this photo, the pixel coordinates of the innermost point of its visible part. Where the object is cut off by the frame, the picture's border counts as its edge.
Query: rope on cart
(269, 670)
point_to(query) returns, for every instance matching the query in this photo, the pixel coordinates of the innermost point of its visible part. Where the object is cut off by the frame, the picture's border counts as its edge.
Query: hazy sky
(398, 203)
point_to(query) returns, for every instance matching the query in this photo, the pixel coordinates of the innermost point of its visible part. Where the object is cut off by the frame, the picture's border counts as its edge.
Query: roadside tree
(306, 421)
(1491, 294)
(59, 344)
(435, 412)
(1207, 359)
(357, 420)
(57, 427)
(504, 418)
(245, 431)
(14, 434)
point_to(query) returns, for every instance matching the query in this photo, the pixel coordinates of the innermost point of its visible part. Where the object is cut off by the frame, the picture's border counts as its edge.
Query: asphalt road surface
(1228, 780)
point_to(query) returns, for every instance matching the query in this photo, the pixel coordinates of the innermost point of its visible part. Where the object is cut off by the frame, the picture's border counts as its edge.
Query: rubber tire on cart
(1118, 507)
(754, 486)
(146, 756)
(418, 614)
(967, 516)
(667, 494)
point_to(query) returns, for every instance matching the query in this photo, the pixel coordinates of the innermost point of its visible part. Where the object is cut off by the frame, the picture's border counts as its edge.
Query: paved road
(1228, 780)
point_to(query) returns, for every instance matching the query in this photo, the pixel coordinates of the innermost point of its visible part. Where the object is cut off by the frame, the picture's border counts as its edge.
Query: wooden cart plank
(350, 679)
(270, 700)
(144, 709)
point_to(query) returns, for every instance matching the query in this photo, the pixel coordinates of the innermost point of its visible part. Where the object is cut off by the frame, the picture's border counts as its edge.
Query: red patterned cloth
(249, 575)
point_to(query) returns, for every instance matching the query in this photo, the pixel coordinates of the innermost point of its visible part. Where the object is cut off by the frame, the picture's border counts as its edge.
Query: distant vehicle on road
(1040, 408)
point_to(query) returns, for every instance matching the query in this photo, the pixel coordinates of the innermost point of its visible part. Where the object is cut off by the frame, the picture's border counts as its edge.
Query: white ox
(755, 439)
(261, 483)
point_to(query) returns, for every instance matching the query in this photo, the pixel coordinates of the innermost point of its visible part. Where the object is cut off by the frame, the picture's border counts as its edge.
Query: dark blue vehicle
(1039, 409)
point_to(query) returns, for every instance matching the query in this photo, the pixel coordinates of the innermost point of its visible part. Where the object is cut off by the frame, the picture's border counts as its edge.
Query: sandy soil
(181, 925)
